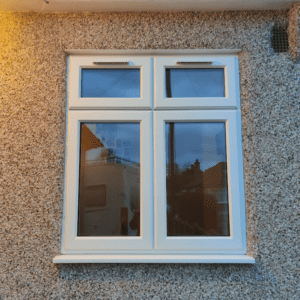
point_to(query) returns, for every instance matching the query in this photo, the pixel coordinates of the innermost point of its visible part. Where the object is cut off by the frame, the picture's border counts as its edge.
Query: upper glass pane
(110, 83)
(197, 201)
(188, 83)
(109, 189)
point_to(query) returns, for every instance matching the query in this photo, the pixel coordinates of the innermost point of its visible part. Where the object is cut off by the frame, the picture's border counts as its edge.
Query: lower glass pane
(197, 196)
(109, 183)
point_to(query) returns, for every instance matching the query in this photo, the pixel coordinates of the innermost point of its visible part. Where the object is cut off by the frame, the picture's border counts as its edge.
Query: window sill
(212, 259)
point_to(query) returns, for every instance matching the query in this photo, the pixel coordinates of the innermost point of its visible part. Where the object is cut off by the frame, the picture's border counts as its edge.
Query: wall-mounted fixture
(279, 40)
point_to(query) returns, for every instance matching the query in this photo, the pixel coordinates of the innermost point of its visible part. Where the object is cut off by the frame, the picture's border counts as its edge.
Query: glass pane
(197, 201)
(109, 189)
(110, 83)
(186, 83)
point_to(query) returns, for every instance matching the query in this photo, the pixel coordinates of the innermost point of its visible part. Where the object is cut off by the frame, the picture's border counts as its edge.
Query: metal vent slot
(194, 62)
(111, 62)
(279, 40)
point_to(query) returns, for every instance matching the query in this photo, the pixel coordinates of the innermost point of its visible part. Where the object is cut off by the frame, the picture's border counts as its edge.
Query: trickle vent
(279, 39)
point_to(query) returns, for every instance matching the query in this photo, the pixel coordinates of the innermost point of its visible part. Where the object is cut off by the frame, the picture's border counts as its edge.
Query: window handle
(194, 62)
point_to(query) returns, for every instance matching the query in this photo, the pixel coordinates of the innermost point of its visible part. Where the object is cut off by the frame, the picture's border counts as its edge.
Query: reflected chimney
(198, 175)
(197, 165)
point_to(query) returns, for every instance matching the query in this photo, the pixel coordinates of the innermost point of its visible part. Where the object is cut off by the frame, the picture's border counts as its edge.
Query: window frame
(72, 242)
(236, 242)
(231, 80)
(77, 63)
(151, 249)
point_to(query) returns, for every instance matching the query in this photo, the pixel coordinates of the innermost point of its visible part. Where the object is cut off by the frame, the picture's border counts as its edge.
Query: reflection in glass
(185, 83)
(197, 202)
(109, 190)
(110, 83)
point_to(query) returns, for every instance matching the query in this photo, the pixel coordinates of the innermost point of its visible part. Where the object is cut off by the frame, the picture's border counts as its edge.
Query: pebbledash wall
(33, 113)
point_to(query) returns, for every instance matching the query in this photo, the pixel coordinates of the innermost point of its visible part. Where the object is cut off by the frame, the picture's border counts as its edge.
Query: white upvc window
(154, 166)
(133, 71)
(221, 80)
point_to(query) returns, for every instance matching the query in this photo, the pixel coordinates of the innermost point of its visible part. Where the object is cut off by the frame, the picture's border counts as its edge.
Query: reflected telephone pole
(171, 192)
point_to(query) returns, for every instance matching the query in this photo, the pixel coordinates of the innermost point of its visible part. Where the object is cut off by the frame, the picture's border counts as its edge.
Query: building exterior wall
(33, 115)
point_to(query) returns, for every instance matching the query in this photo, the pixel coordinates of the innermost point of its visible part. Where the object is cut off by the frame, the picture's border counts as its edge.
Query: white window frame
(231, 80)
(93, 244)
(236, 242)
(77, 63)
(153, 246)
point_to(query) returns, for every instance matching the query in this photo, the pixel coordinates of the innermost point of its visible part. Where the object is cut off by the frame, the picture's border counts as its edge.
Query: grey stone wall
(32, 122)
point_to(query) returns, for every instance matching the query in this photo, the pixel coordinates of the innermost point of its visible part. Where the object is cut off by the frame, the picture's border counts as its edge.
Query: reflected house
(198, 200)
(215, 182)
(176, 169)
(109, 190)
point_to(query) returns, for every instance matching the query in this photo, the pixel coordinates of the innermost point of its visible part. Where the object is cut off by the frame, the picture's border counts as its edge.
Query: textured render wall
(294, 31)
(32, 74)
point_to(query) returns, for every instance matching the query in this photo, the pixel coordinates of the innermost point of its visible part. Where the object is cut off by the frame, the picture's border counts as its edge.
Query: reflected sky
(202, 141)
(122, 138)
(110, 83)
(195, 83)
(193, 140)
